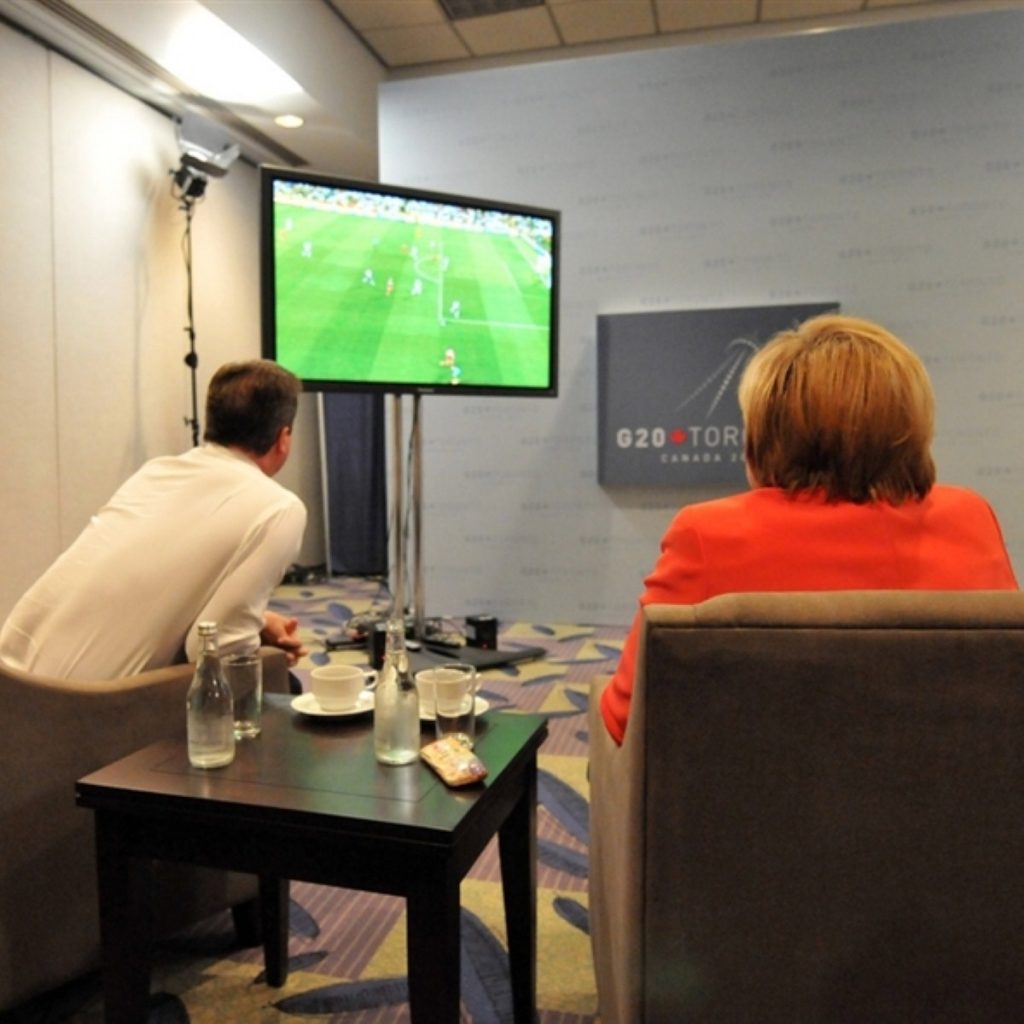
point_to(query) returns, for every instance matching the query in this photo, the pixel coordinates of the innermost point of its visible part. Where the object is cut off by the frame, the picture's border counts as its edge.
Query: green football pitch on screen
(390, 301)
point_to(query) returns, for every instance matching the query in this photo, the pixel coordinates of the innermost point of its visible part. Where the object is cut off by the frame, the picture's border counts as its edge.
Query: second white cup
(337, 687)
(447, 694)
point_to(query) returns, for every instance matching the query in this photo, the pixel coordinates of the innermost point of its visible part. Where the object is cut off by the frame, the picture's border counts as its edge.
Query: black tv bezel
(268, 319)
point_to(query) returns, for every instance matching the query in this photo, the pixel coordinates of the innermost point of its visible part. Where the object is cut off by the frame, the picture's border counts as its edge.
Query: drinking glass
(244, 673)
(455, 686)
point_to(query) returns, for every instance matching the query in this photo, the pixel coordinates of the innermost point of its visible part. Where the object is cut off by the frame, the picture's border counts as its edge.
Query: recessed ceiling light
(289, 121)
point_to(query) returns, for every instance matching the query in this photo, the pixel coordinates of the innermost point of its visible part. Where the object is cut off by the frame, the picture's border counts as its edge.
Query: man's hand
(281, 632)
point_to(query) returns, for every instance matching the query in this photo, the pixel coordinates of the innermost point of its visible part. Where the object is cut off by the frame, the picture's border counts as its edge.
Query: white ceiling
(420, 33)
(340, 50)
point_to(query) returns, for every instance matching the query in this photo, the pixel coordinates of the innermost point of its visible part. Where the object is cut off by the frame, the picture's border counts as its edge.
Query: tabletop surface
(305, 767)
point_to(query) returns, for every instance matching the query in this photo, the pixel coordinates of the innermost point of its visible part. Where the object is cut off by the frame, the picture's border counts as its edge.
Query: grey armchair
(54, 732)
(816, 815)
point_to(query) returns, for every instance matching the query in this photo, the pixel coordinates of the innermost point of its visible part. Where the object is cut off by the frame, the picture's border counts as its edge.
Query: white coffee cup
(337, 687)
(448, 694)
(447, 673)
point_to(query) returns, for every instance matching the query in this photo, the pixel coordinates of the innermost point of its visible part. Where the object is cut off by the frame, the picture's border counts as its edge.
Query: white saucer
(480, 705)
(307, 704)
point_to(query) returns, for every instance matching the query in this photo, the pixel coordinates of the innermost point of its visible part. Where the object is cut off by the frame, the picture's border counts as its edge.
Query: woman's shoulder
(772, 509)
(735, 512)
(954, 497)
(714, 507)
(772, 502)
(746, 503)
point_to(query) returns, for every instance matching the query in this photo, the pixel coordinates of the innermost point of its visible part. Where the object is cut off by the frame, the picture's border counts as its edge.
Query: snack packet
(454, 762)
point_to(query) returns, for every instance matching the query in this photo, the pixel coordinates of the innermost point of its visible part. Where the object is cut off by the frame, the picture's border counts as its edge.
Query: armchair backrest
(54, 732)
(817, 812)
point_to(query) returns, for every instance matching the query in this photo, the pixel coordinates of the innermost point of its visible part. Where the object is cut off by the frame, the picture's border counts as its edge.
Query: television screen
(370, 287)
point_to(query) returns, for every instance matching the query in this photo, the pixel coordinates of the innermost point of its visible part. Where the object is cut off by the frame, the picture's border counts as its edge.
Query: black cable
(188, 191)
(191, 359)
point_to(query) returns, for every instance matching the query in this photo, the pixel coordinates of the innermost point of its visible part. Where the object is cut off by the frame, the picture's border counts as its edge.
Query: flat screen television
(379, 288)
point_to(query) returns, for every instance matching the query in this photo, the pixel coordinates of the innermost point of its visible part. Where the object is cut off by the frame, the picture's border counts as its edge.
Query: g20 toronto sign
(667, 408)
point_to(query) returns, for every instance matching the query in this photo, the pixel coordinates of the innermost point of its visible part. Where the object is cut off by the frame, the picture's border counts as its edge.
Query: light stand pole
(188, 203)
(198, 165)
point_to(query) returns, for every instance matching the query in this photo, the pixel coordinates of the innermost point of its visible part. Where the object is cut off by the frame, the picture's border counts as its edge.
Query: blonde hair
(839, 405)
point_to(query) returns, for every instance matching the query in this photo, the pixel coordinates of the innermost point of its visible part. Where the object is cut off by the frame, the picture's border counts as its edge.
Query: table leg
(434, 950)
(274, 916)
(125, 926)
(517, 844)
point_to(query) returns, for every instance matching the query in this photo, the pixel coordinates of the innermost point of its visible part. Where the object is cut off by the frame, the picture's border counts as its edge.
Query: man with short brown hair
(205, 535)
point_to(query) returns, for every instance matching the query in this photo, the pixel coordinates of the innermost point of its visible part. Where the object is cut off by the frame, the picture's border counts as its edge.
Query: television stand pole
(416, 442)
(398, 445)
(415, 451)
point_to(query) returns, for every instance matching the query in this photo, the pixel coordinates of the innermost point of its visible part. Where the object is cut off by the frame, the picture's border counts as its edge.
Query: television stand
(431, 650)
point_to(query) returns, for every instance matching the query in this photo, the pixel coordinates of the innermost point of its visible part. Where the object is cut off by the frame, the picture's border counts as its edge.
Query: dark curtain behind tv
(354, 454)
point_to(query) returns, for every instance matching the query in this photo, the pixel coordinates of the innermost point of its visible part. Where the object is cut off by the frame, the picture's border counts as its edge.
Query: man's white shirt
(201, 536)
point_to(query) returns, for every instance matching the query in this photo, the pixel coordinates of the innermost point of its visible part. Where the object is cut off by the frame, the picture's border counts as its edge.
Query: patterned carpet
(347, 948)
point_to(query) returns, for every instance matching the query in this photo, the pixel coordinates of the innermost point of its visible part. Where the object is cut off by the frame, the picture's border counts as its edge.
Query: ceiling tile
(418, 44)
(368, 14)
(590, 21)
(530, 29)
(687, 15)
(780, 10)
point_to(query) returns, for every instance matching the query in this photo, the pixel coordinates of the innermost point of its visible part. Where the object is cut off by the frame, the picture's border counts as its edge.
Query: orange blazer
(765, 540)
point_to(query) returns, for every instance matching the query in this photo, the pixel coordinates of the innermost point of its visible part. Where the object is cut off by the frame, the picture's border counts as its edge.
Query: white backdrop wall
(882, 167)
(93, 303)
(29, 512)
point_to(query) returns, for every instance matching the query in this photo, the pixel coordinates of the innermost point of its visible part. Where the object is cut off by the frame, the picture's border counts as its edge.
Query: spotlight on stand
(205, 154)
(190, 180)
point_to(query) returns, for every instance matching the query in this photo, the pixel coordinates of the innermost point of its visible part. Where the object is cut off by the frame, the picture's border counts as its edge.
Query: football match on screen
(384, 288)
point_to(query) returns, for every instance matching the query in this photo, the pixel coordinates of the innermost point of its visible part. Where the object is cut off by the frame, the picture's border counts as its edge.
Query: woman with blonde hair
(839, 419)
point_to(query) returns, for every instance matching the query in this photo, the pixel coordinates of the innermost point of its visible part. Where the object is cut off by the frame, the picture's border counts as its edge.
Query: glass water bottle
(211, 710)
(396, 706)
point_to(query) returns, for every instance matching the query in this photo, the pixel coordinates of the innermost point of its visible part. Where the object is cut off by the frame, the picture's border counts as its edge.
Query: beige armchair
(817, 814)
(51, 734)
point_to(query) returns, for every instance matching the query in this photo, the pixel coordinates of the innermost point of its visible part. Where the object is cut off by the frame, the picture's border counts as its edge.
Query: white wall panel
(29, 527)
(93, 303)
(882, 167)
(110, 156)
